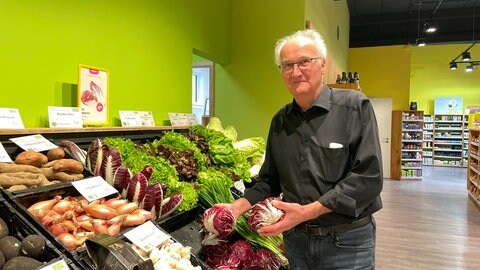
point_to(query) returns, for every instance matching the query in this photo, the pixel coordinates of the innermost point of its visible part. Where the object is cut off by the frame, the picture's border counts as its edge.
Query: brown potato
(31, 158)
(55, 153)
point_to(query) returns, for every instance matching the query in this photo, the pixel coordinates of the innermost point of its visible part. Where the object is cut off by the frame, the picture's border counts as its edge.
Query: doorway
(203, 91)
(383, 114)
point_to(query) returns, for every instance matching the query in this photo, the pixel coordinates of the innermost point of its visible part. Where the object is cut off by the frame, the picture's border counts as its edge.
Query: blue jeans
(354, 249)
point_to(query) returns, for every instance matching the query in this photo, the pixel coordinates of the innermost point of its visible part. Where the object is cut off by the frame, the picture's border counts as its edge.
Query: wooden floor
(428, 224)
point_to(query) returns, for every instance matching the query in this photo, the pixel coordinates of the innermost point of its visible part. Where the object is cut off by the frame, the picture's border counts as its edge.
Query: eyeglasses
(302, 64)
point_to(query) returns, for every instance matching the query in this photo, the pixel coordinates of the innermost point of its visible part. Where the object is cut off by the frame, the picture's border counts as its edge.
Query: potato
(55, 153)
(2, 260)
(31, 158)
(33, 246)
(23, 263)
(3, 228)
(10, 247)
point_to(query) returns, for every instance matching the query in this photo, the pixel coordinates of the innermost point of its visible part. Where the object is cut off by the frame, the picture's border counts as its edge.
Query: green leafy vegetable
(135, 159)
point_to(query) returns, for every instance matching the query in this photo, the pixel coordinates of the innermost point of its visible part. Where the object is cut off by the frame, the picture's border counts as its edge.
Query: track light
(420, 42)
(466, 59)
(429, 28)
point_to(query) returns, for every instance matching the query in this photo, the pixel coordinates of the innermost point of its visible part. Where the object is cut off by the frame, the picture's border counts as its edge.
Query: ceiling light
(453, 65)
(469, 68)
(466, 56)
(430, 28)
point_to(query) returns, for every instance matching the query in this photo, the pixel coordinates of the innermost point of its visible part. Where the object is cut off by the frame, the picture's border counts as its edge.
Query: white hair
(309, 34)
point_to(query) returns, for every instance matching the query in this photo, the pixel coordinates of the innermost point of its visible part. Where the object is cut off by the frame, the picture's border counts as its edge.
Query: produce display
(21, 246)
(172, 173)
(33, 169)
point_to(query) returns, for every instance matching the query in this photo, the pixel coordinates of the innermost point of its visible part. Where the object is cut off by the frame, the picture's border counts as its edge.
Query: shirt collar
(322, 101)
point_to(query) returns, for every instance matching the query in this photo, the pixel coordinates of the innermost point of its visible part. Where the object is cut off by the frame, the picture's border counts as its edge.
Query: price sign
(58, 265)
(182, 119)
(4, 157)
(136, 119)
(147, 236)
(36, 143)
(94, 188)
(10, 118)
(65, 117)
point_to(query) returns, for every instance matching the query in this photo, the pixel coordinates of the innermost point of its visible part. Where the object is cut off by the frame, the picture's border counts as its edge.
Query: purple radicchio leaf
(153, 200)
(95, 157)
(137, 188)
(111, 162)
(121, 178)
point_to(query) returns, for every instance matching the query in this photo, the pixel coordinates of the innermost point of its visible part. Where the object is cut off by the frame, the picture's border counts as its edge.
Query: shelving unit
(473, 171)
(427, 145)
(407, 143)
(465, 141)
(448, 140)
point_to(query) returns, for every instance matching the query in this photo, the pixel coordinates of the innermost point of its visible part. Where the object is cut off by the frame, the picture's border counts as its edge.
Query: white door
(383, 113)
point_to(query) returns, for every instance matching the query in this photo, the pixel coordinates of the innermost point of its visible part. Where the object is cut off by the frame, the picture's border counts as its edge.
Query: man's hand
(294, 215)
(238, 207)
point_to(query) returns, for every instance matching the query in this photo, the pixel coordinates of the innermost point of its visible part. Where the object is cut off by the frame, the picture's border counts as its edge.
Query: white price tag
(10, 118)
(58, 265)
(65, 117)
(147, 236)
(94, 188)
(36, 143)
(136, 119)
(182, 119)
(4, 157)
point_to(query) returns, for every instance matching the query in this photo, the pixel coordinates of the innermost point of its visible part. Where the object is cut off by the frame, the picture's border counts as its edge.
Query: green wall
(250, 90)
(146, 45)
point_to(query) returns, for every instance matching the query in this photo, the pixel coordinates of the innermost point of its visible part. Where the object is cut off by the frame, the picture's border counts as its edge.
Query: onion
(133, 220)
(115, 202)
(63, 206)
(127, 208)
(70, 241)
(100, 211)
(147, 214)
(39, 209)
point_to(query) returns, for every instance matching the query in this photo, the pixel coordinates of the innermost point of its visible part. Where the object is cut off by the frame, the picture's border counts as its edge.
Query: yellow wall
(384, 72)
(431, 76)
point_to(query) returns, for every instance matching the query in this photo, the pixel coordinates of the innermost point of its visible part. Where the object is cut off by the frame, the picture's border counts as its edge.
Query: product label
(36, 143)
(182, 119)
(10, 118)
(147, 236)
(58, 265)
(94, 188)
(65, 117)
(136, 119)
(4, 157)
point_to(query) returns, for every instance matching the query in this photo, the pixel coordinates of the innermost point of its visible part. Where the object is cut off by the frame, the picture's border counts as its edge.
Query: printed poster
(93, 95)
(448, 105)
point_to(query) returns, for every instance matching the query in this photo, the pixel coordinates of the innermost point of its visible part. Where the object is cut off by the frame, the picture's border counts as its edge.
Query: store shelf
(407, 145)
(473, 173)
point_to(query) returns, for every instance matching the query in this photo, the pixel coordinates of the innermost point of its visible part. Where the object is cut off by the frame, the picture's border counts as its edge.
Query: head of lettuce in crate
(323, 155)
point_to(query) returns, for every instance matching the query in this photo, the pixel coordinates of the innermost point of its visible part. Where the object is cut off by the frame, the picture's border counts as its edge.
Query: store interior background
(149, 48)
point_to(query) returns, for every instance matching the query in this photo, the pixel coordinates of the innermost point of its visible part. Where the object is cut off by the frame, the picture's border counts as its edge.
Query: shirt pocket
(332, 163)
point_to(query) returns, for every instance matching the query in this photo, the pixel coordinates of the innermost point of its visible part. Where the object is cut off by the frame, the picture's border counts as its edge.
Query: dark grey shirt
(330, 153)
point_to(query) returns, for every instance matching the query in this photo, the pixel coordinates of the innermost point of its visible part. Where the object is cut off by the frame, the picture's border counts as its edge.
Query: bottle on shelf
(344, 77)
(339, 79)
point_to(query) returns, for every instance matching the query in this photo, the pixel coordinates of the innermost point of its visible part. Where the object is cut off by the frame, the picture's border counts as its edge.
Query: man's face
(303, 78)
